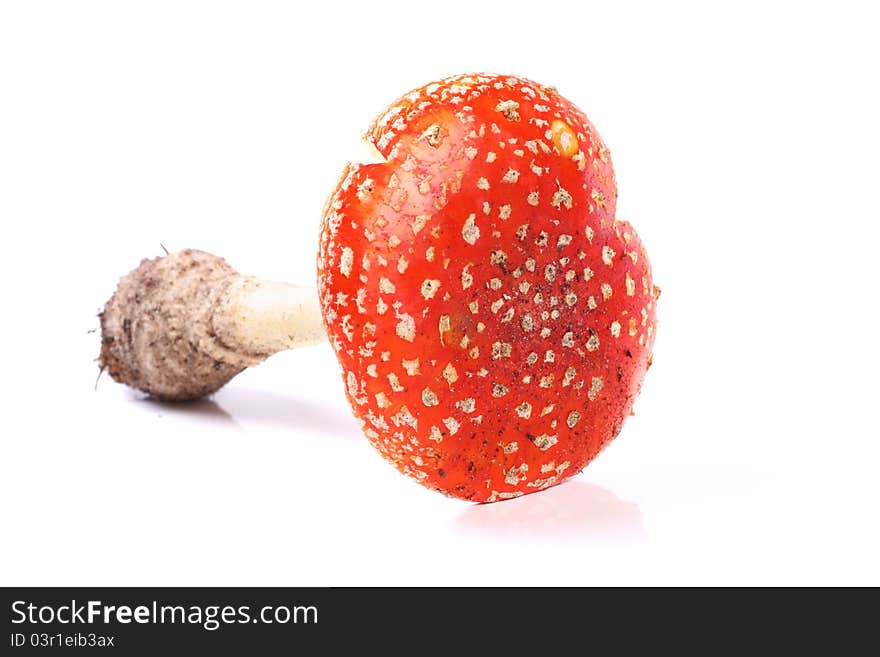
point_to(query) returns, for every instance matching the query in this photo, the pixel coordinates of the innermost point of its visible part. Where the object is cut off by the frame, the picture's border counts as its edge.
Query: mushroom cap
(494, 320)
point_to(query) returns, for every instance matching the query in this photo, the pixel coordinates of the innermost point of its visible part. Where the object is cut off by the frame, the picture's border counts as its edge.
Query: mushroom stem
(264, 317)
(179, 327)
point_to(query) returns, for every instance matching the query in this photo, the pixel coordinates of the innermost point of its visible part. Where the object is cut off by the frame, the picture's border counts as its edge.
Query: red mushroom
(493, 318)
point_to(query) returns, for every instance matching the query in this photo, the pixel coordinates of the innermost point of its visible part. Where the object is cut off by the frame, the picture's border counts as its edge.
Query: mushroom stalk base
(181, 326)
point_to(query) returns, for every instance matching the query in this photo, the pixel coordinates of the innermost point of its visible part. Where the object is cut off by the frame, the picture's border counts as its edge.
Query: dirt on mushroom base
(156, 329)
(493, 318)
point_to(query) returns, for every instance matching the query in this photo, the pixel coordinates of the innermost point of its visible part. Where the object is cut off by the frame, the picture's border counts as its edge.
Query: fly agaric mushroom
(493, 318)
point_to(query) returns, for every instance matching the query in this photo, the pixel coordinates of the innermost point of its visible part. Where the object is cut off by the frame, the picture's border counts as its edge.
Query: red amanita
(493, 318)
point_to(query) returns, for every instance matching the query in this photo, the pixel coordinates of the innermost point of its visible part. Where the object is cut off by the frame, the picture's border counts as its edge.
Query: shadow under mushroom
(574, 511)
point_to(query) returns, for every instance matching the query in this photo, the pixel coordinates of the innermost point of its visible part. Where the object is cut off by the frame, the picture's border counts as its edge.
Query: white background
(746, 149)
